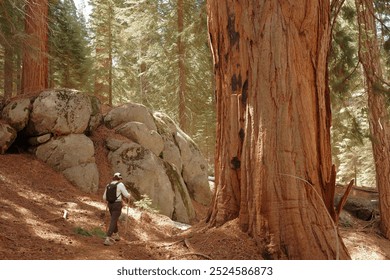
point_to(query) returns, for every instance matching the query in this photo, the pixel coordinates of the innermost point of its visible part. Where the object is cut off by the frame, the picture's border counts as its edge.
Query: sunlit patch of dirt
(365, 242)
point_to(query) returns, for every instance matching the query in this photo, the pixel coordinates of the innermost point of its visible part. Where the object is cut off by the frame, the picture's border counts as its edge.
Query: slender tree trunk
(35, 60)
(379, 118)
(66, 77)
(143, 81)
(110, 77)
(8, 71)
(273, 156)
(100, 83)
(6, 41)
(18, 72)
(182, 72)
(103, 84)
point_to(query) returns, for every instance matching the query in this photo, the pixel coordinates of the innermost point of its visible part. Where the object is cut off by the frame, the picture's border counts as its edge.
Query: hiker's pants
(115, 212)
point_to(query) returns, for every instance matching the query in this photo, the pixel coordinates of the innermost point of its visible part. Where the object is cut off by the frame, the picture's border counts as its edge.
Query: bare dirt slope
(33, 198)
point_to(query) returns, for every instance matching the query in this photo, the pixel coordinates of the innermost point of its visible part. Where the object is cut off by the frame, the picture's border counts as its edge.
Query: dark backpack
(111, 193)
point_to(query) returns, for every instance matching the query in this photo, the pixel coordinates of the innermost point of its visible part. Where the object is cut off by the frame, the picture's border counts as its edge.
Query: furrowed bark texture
(273, 157)
(35, 59)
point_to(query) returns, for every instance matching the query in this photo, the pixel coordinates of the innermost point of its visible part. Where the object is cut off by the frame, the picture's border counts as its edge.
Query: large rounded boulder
(130, 112)
(146, 174)
(7, 137)
(60, 112)
(141, 134)
(17, 113)
(72, 155)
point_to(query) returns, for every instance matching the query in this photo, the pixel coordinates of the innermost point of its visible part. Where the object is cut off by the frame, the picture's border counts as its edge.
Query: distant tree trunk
(18, 72)
(143, 82)
(378, 114)
(8, 71)
(273, 156)
(100, 85)
(103, 75)
(6, 41)
(182, 72)
(110, 76)
(103, 84)
(35, 60)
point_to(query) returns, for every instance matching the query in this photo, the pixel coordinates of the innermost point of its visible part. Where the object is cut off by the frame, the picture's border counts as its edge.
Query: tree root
(193, 253)
(188, 245)
(6, 237)
(171, 244)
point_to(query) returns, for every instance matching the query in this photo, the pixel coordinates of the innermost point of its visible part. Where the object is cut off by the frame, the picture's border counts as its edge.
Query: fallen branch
(54, 220)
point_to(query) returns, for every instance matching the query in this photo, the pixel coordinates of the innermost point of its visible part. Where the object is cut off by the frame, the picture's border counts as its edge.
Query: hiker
(114, 193)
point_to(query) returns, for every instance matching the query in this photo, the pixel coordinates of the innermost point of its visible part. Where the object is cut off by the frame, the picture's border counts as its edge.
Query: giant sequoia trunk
(35, 60)
(273, 157)
(378, 115)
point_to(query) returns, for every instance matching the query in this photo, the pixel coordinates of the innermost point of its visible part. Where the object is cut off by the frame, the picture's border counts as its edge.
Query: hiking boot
(116, 237)
(108, 241)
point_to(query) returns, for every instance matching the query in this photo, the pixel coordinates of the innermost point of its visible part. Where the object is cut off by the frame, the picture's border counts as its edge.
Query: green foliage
(145, 204)
(343, 64)
(68, 47)
(145, 60)
(94, 232)
(11, 39)
(98, 232)
(105, 35)
(351, 145)
(351, 140)
(82, 231)
(11, 22)
(383, 18)
(68, 43)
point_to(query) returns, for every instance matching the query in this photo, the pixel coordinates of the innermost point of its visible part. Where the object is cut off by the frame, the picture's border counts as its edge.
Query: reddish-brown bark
(35, 59)
(273, 158)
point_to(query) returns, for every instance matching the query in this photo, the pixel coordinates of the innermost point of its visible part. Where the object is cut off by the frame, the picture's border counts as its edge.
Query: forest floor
(34, 198)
